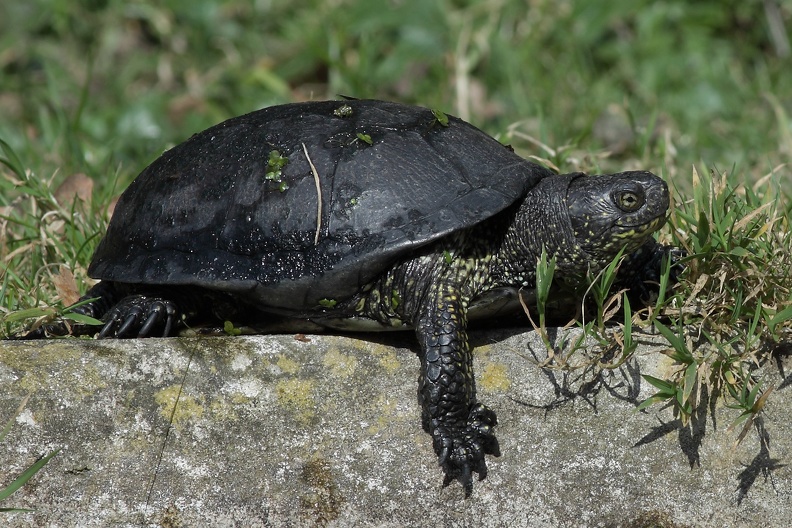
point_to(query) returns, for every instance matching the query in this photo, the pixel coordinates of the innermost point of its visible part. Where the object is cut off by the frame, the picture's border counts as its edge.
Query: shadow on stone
(762, 464)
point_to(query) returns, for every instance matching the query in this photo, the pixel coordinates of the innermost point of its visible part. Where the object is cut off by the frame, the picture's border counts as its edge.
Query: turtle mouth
(627, 235)
(634, 234)
(622, 235)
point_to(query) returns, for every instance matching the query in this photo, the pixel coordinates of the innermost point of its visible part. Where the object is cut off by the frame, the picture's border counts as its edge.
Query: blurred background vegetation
(102, 87)
(92, 91)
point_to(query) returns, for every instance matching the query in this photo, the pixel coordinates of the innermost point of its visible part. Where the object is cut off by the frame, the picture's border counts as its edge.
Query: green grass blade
(666, 387)
(84, 319)
(691, 376)
(10, 422)
(11, 160)
(680, 352)
(26, 475)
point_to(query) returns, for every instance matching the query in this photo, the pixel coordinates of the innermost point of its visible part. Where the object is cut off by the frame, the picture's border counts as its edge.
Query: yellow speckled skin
(436, 286)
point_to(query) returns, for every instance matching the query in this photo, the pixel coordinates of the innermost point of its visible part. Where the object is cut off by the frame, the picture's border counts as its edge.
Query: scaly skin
(433, 290)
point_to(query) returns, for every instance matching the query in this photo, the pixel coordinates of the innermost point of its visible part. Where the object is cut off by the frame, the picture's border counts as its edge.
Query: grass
(700, 93)
(729, 313)
(26, 475)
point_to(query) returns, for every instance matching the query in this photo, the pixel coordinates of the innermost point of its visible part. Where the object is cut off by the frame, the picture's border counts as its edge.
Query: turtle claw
(461, 450)
(140, 316)
(126, 325)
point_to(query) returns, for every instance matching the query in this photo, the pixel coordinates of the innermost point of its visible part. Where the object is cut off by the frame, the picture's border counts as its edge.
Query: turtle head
(612, 211)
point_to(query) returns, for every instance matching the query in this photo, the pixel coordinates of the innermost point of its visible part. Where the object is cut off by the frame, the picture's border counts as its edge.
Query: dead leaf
(66, 286)
(78, 186)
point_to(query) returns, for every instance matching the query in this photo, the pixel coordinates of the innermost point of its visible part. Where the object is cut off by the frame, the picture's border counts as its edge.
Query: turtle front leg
(461, 428)
(641, 271)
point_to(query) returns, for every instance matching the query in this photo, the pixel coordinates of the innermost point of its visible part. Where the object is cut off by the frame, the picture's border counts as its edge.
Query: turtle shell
(296, 203)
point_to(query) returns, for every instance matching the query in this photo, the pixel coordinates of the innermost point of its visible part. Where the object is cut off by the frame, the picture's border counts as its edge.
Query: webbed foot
(461, 450)
(141, 316)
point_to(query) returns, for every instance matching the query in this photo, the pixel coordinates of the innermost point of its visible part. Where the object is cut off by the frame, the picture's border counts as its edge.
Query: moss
(386, 413)
(343, 111)
(222, 410)
(21, 358)
(296, 395)
(484, 350)
(222, 347)
(494, 378)
(321, 501)
(187, 408)
(649, 519)
(287, 365)
(239, 399)
(275, 164)
(387, 358)
(35, 367)
(327, 303)
(171, 517)
(340, 365)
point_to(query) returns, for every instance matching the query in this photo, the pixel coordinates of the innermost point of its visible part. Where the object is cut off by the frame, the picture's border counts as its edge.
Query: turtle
(364, 215)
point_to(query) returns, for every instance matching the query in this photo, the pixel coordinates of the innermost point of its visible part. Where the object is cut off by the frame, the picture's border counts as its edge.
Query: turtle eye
(629, 201)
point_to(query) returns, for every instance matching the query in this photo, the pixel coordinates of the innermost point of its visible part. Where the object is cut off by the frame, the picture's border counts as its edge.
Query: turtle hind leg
(100, 299)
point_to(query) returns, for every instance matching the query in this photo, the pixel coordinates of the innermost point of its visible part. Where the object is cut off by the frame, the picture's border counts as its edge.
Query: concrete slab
(325, 431)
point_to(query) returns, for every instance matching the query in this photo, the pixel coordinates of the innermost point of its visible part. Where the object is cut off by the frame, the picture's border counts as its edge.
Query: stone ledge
(325, 431)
